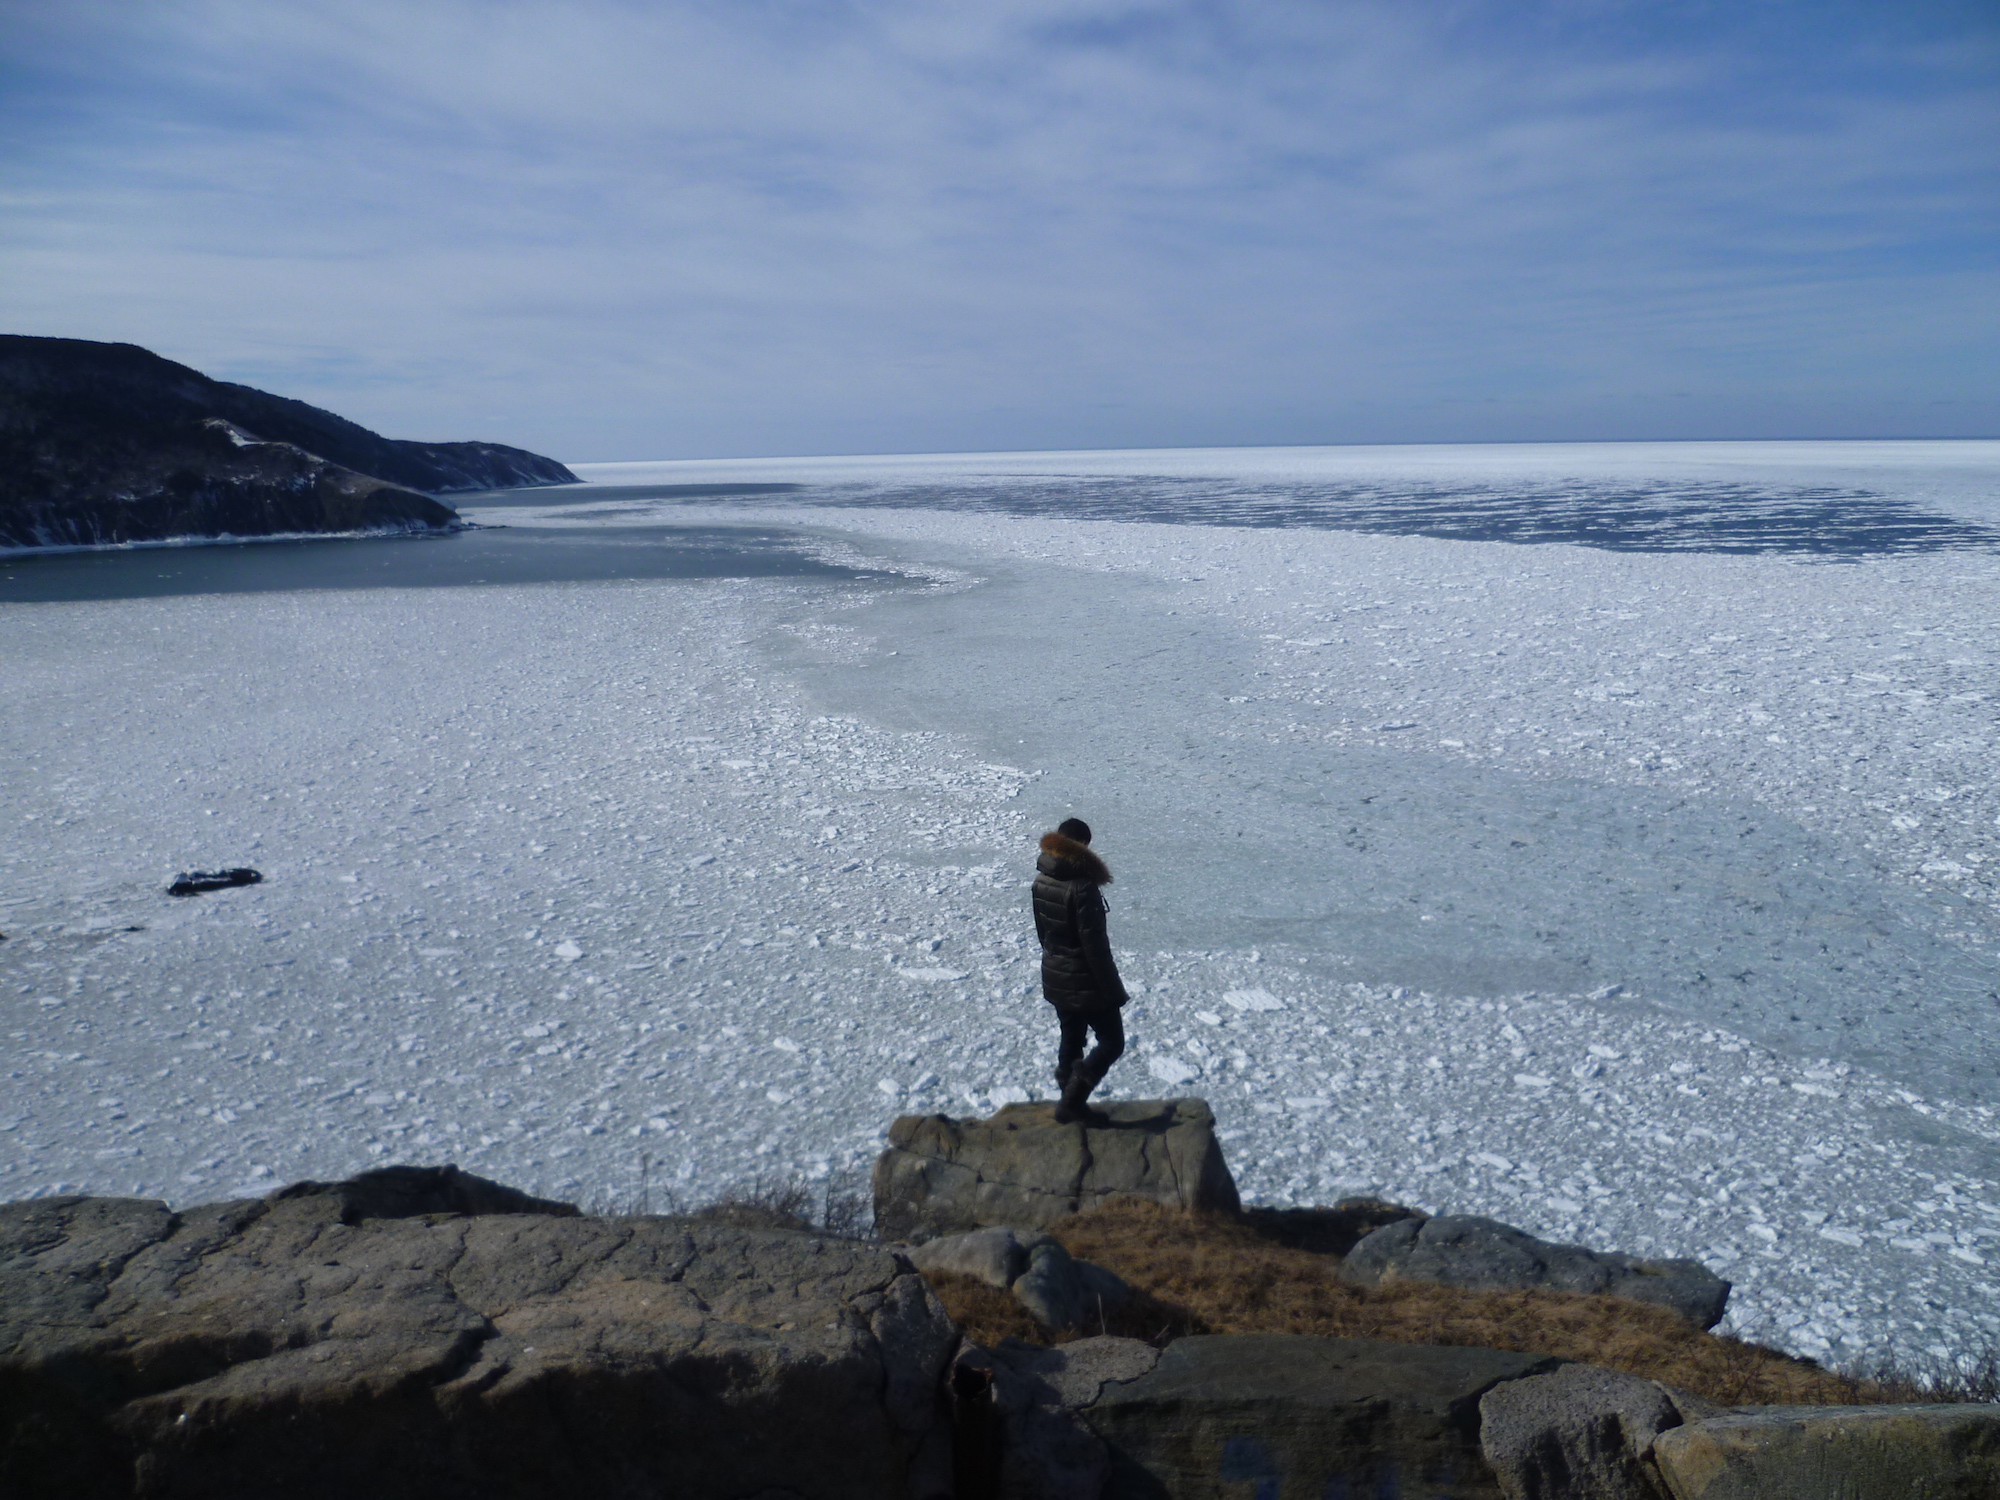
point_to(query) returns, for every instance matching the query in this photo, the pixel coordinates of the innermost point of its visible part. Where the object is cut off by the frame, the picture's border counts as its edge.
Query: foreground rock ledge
(296, 1346)
(1809, 1452)
(1304, 1416)
(1021, 1169)
(422, 1332)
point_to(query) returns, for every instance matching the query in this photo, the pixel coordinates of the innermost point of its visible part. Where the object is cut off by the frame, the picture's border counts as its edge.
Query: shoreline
(230, 539)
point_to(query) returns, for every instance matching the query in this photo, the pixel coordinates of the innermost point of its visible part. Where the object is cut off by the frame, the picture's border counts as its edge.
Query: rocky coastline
(421, 1332)
(110, 444)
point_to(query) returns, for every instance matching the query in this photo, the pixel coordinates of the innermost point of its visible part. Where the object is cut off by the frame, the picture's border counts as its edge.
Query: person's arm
(1041, 922)
(1091, 931)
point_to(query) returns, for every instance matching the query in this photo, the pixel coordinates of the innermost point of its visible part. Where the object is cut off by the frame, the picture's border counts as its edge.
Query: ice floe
(1645, 899)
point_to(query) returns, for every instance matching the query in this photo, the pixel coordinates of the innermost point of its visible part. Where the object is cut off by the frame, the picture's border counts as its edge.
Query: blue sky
(620, 230)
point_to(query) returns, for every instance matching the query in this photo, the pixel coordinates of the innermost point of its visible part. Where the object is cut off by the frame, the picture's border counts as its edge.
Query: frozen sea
(1601, 837)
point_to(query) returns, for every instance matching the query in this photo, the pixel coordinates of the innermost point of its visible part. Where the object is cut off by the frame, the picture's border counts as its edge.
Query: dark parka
(1078, 973)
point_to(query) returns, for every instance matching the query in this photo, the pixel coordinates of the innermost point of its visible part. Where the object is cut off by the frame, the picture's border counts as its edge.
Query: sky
(609, 230)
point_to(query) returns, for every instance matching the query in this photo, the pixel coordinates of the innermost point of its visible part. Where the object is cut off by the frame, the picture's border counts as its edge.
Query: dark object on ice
(1079, 976)
(412, 1192)
(194, 882)
(104, 443)
(1485, 1255)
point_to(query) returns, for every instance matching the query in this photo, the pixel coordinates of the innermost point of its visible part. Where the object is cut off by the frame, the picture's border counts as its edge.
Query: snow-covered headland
(1645, 899)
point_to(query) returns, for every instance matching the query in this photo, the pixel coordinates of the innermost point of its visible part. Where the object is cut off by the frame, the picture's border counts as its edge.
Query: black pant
(1076, 1028)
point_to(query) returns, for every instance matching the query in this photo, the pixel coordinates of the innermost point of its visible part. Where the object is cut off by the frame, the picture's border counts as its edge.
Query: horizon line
(582, 463)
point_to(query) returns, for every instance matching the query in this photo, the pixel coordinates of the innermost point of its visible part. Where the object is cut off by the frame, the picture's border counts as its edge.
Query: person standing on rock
(1079, 977)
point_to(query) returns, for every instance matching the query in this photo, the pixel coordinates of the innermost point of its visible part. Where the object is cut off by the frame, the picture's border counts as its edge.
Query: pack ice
(1640, 898)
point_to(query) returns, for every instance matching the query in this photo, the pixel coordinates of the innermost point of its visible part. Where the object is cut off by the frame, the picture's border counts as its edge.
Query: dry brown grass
(1219, 1275)
(987, 1315)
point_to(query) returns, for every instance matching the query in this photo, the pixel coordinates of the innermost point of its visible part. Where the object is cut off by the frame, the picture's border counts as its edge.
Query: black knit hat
(1074, 828)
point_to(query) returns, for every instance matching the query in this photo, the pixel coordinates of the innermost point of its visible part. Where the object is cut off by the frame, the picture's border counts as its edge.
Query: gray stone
(59, 1256)
(942, 1176)
(1028, 1409)
(1835, 1453)
(268, 1347)
(995, 1256)
(1293, 1415)
(1579, 1433)
(1061, 1292)
(1057, 1290)
(1484, 1254)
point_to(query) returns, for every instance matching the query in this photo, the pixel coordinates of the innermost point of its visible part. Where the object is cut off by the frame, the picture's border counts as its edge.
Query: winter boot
(1074, 1108)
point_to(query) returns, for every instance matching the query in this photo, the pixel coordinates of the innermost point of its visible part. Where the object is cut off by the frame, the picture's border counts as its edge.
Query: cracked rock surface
(1805, 1452)
(944, 1176)
(1581, 1433)
(1265, 1414)
(291, 1345)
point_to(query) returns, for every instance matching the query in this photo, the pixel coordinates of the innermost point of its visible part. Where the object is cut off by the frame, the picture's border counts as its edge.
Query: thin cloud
(615, 230)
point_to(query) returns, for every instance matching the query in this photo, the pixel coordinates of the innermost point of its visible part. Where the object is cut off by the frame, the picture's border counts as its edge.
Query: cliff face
(111, 443)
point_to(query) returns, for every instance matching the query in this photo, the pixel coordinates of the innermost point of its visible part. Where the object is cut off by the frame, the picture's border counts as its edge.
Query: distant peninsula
(108, 443)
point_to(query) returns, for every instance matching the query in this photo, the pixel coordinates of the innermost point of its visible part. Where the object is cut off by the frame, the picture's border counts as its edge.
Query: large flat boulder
(1581, 1433)
(1835, 1453)
(299, 1346)
(1480, 1254)
(1020, 1168)
(1286, 1415)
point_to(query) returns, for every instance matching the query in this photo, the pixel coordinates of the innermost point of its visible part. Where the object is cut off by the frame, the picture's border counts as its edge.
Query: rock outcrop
(419, 1333)
(1277, 1413)
(110, 443)
(942, 1176)
(474, 1344)
(1580, 1433)
(1484, 1254)
(1282, 1415)
(1057, 1290)
(1818, 1452)
(1305, 1416)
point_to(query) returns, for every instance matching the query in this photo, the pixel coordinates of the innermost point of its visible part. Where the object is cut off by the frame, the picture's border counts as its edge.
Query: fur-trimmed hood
(1066, 859)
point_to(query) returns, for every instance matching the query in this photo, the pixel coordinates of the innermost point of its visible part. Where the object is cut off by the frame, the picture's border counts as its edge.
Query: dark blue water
(1821, 521)
(1812, 521)
(485, 555)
